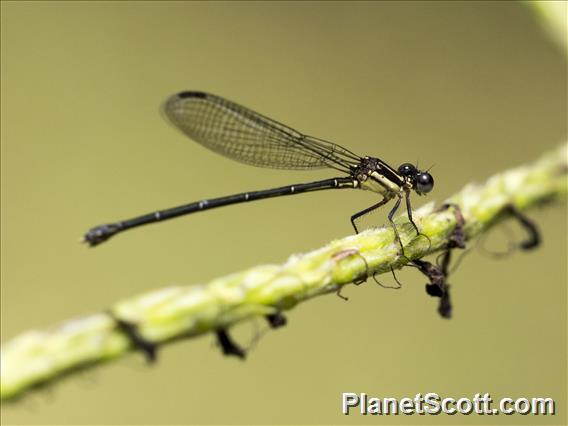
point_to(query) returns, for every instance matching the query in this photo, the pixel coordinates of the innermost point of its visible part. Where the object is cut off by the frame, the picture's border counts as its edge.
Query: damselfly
(246, 136)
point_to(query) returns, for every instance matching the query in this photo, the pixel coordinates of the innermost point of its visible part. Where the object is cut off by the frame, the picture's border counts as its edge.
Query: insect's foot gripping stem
(99, 234)
(399, 241)
(228, 346)
(390, 217)
(149, 349)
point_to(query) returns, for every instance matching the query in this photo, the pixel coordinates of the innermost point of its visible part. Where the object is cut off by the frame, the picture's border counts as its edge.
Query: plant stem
(37, 357)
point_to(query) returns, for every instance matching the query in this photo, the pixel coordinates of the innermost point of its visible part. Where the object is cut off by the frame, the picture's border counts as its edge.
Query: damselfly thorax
(374, 175)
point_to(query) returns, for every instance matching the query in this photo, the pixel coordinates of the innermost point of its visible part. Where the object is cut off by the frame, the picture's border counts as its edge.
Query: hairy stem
(37, 357)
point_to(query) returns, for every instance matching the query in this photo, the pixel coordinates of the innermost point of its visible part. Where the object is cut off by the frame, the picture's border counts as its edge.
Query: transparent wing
(246, 136)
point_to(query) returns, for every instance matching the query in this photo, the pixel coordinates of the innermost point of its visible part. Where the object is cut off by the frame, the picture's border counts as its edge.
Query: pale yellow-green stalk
(40, 356)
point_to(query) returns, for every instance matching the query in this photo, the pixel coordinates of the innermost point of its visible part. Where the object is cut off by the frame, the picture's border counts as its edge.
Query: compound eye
(424, 182)
(407, 170)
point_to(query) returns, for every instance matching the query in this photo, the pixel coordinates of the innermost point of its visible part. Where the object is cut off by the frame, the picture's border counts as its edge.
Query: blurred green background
(473, 88)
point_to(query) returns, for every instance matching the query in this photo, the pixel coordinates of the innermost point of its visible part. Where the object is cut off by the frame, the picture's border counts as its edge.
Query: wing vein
(243, 135)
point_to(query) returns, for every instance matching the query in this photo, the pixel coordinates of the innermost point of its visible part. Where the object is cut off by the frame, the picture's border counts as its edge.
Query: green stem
(163, 315)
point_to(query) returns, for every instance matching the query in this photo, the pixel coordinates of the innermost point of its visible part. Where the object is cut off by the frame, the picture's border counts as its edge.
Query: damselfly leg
(366, 211)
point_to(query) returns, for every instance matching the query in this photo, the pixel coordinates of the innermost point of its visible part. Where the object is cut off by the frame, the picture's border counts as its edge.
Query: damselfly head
(422, 182)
